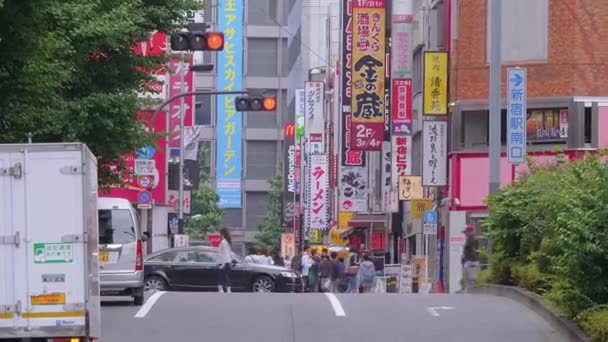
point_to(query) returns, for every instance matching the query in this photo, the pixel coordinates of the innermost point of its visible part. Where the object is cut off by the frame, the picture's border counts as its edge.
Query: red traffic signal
(197, 41)
(255, 103)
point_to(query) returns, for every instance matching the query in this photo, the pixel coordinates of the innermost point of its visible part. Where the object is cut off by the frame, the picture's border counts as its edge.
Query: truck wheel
(138, 298)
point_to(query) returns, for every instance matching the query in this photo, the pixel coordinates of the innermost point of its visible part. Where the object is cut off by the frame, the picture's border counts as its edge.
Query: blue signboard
(229, 127)
(516, 115)
(430, 217)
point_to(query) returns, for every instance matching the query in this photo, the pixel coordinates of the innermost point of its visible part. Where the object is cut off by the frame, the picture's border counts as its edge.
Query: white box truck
(49, 271)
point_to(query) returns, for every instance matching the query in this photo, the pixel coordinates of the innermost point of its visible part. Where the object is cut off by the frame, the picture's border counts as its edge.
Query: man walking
(337, 272)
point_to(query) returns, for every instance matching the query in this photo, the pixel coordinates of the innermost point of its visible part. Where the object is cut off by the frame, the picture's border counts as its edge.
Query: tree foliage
(555, 219)
(206, 216)
(271, 228)
(68, 71)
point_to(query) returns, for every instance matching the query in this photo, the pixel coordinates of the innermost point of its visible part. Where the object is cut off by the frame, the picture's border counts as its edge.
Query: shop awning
(367, 220)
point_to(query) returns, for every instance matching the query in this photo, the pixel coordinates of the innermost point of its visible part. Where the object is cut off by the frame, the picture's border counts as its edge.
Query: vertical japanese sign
(175, 89)
(300, 119)
(402, 106)
(350, 157)
(517, 108)
(389, 199)
(434, 153)
(563, 123)
(402, 160)
(368, 75)
(314, 127)
(435, 83)
(317, 206)
(229, 122)
(289, 183)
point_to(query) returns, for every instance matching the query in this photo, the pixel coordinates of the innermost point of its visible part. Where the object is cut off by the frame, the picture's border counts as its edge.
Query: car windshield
(116, 226)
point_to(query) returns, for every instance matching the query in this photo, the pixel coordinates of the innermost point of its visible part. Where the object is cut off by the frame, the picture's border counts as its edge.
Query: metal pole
(426, 258)
(182, 119)
(495, 94)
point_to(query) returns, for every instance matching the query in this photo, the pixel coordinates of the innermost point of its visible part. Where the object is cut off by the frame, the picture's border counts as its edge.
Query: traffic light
(197, 41)
(255, 103)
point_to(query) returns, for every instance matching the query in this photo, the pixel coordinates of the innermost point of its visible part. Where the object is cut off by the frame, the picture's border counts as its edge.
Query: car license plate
(104, 257)
(49, 299)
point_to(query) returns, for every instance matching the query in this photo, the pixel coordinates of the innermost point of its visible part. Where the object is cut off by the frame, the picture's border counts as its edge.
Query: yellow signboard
(335, 236)
(419, 207)
(435, 83)
(368, 66)
(314, 236)
(49, 299)
(410, 187)
(343, 218)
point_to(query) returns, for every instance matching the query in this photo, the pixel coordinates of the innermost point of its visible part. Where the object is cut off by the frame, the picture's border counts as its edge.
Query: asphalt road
(175, 316)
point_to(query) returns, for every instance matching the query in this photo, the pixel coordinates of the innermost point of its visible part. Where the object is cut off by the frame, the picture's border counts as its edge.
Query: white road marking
(148, 304)
(433, 310)
(335, 303)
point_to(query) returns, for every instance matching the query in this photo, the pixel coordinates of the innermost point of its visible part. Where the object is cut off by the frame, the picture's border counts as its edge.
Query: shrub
(530, 278)
(570, 301)
(594, 322)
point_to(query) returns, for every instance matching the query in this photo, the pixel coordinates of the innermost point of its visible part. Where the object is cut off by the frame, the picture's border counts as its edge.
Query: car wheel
(138, 298)
(155, 283)
(263, 284)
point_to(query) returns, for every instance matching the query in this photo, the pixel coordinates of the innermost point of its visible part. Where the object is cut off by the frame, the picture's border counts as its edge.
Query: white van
(120, 249)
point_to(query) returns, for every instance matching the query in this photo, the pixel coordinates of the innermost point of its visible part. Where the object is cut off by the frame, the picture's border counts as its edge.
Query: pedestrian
(287, 261)
(470, 262)
(313, 272)
(337, 272)
(325, 273)
(225, 259)
(252, 257)
(266, 257)
(276, 258)
(306, 263)
(367, 274)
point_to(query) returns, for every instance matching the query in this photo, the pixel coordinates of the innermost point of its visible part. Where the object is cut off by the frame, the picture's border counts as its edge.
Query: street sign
(145, 152)
(429, 229)
(517, 109)
(430, 217)
(144, 206)
(144, 197)
(145, 167)
(144, 181)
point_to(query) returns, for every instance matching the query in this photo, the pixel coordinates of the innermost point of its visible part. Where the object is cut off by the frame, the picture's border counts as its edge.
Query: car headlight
(289, 274)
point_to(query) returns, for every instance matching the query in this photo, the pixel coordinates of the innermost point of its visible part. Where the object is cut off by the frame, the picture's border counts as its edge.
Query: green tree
(68, 72)
(206, 216)
(271, 228)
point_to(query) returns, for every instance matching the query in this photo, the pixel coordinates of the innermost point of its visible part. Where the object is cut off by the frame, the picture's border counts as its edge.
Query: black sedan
(197, 269)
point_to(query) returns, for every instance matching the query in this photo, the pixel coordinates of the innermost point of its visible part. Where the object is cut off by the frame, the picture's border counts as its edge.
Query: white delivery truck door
(48, 212)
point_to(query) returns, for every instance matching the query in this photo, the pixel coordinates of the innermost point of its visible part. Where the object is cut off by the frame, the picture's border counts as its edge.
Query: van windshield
(116, 226)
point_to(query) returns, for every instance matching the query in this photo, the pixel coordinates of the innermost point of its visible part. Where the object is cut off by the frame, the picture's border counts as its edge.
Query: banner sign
(368, 75)
(435, 83)
(288, 245)
(318, 204)
(435, 153)
(402, 106)
(314, 127)
(175, 89)
(402, 159)
(289, 175)
(300, 110)
(354, 187)
(350, 157)
(389, 199)
(134, 187)
(401, 30)
(229, 128)
(517, 109)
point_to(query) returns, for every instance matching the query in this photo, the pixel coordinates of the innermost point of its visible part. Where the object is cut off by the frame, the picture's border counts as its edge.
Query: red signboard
(132, 185)
(402, 106)
(367, 136)
(175, 89)
(378, 241)
(290, 130)
(214, 239)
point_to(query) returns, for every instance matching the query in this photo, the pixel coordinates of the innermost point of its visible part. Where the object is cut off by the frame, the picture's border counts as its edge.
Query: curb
(565, 327)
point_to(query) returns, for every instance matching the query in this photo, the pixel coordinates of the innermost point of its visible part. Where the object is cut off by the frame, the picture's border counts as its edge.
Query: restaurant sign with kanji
(368, 75)
(435, 83)
(318, 188)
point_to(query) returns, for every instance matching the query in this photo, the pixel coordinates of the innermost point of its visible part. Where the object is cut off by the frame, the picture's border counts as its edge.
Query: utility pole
(495, 93)
(182, 117)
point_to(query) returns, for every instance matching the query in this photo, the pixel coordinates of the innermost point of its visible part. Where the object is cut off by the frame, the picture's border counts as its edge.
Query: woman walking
(225, 261)
(367, 274)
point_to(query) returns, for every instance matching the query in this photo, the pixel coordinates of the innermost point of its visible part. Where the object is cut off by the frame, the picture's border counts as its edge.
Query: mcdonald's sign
(290, 130)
